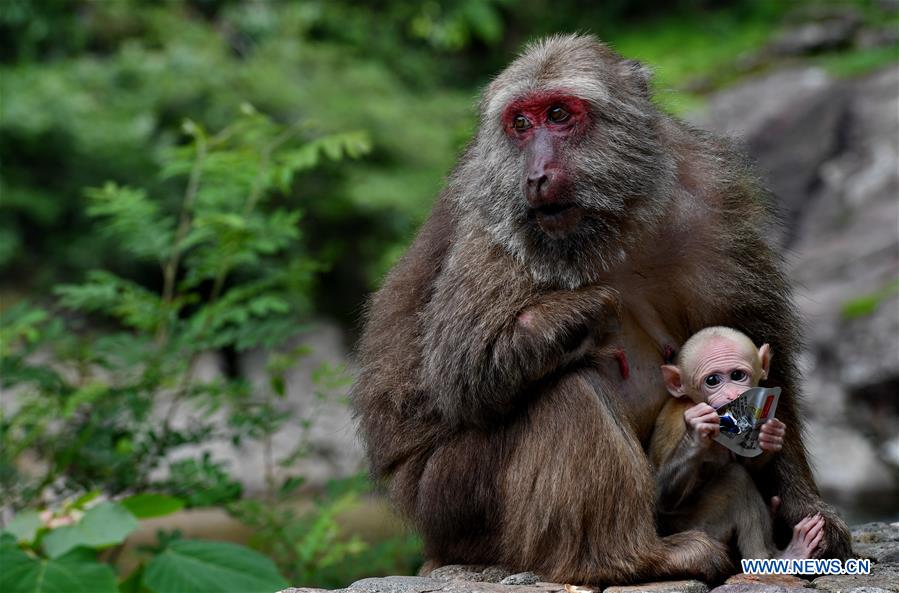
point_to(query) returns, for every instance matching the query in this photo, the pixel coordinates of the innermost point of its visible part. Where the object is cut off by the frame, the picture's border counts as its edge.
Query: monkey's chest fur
(630, 358)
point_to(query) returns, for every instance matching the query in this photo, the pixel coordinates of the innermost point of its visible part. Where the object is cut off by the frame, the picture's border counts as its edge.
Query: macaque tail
(692, 554)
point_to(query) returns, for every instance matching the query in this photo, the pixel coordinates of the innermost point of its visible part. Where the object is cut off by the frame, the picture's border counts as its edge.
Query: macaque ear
(673, 380)
(640, 73)
(765, 359)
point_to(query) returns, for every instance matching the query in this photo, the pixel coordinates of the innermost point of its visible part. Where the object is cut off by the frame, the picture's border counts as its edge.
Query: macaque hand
(771, 435)
(702, 423)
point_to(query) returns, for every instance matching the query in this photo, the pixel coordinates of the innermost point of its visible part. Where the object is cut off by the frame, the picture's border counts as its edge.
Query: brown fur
(707, 490)
(499, 439)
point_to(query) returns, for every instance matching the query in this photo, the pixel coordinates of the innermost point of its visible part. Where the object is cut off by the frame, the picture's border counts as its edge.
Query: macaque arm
(386, 394)
(484, 343)
(676, 456)
(757, 463)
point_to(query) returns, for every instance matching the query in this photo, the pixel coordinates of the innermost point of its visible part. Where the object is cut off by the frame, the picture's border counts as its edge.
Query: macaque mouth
(557, 217)
(554, 208)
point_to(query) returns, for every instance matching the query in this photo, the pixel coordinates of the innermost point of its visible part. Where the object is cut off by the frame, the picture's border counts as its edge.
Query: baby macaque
(699, 483)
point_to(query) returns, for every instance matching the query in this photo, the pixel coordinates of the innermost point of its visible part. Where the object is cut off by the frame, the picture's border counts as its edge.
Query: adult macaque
(699, 483)
(579, 219)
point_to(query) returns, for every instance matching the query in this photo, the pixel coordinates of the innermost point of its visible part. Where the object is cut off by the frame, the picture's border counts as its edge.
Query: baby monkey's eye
(521, 123)
(557, 114)
(712, 380)
(737, 375)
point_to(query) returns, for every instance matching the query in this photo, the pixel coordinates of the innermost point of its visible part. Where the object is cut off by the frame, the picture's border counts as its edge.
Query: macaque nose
(538, 190)
(537, 181)
(733, 394)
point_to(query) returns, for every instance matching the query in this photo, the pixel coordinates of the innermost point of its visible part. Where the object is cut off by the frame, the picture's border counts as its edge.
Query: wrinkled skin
(509, 365)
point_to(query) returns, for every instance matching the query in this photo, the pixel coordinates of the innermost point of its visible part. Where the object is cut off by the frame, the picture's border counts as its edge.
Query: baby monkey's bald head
(716, 365)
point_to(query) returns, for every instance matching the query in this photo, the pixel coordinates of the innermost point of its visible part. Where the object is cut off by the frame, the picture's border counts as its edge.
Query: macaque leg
(584, 496)
(730, 506)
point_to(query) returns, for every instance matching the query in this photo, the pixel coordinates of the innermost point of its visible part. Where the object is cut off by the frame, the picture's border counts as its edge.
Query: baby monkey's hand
(702, 423)
(771, 435)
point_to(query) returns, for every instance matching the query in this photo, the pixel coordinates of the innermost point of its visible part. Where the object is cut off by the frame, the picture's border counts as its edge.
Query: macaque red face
(716, 367)
(544, 125)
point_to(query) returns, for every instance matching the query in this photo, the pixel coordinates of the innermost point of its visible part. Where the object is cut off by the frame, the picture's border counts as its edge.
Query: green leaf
(189, 566)
(868, 304)
(132, 219)
(24, 526)
(104, 525)
(147, 506)
(106, 293)
(85, 499)
(84, 396)
(71, 574)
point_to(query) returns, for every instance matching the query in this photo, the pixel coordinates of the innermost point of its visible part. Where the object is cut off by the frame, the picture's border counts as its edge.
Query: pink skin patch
(542, 124)
(526, 319)
(623, 366)
(668, 353)
(536, 106)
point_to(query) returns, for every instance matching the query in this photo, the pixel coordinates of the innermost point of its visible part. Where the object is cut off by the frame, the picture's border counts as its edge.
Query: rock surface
(879, 541)
(883, 577)
(334, 449)
(661, 587)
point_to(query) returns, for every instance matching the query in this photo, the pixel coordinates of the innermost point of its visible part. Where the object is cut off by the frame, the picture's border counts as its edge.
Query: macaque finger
(797, 529)
(815, 531)
(709, 419)
(698, 411)
(772, 439)
(770, 448)
(774, 429)
(709, 430)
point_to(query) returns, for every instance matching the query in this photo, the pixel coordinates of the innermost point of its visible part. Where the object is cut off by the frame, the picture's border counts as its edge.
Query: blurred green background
(99, 91)
(95, 90)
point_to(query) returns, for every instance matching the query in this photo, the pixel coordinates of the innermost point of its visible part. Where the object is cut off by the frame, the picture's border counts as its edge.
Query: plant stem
(170, 271)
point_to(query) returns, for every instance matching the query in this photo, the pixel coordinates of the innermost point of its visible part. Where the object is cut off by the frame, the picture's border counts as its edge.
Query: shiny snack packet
(741, 420)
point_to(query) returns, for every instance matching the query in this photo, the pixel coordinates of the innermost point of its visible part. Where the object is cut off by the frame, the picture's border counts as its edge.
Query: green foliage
(24, 526)
(868, 304)
(191, 566)
(62, 555)
(313, 548)
(97, 90)
(110, 106)
(106, 524)
(859, 62)
(74, 573)
(224, 284)
(189, 241)
(148, 506)
(97, 409)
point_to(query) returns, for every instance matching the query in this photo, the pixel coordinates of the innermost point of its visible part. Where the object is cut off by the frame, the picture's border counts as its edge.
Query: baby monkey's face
(716, 366)
(722, 371)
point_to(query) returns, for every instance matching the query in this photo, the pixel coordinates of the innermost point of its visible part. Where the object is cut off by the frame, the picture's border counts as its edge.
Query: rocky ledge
(877, 541)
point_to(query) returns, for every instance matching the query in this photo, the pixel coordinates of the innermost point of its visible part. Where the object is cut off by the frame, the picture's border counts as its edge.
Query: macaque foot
(807, 537)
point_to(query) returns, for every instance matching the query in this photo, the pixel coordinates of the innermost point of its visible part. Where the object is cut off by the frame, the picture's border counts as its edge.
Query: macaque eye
(521, 123)
(737, 375)
(712, 380)
(557, 115)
